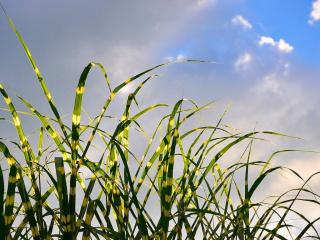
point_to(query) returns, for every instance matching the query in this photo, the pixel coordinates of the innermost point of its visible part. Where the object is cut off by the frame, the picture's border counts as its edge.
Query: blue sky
(289, 19)
(267, 55)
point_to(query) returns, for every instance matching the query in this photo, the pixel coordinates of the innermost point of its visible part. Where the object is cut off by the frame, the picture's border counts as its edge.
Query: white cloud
(181, 57)
(281, 45)
(178, 57)
(315, 13)
(267, 41)
(243, 61)
(285, 47)
(241, 21)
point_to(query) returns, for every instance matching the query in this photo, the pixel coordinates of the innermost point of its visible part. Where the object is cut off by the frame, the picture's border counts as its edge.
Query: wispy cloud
(269, 84)
(315, 13)
(241, 21)
(281, 45)
(243, 62)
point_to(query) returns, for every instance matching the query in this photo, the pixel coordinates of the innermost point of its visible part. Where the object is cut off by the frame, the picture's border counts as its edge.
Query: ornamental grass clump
(176, 189)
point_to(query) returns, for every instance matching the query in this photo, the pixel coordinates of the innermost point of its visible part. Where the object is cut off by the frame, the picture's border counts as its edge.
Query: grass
(46, 195)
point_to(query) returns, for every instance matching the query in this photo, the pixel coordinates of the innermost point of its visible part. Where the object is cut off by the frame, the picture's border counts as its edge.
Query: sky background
(266, 54)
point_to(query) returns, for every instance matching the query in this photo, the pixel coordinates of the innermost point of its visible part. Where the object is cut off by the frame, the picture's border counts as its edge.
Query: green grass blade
(2, 233)
(63, 196)
(8, 215)
(28, 207)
